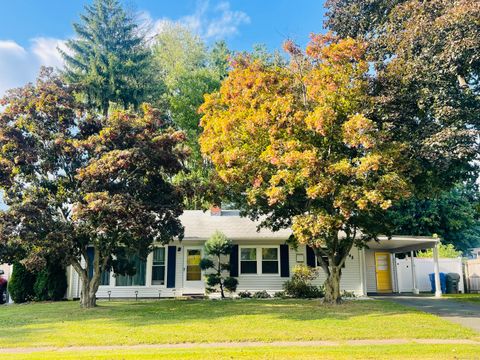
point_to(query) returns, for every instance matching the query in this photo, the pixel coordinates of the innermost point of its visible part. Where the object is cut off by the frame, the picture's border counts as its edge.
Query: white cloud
(12, 47)
(211, 23)
(19, 65)
(46, 50)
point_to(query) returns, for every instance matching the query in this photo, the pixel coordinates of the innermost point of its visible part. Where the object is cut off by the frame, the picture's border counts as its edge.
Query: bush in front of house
(261, 295)
(51, 283)
(245, 294)
(299, 286)
(216, 248)
(20, 285)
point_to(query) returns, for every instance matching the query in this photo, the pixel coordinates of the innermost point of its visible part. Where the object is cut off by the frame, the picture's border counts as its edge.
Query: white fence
(472, 273)
(423, 267)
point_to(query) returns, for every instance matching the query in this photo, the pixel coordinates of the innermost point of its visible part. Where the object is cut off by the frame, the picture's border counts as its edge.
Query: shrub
(280, 295)
(245, 294)
(261, 295)
(51, 284)
(21, 284)
(444, 251)
(299, 286)
(348, 294)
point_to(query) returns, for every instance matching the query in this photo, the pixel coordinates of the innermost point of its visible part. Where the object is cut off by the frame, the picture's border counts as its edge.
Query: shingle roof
(201, 225)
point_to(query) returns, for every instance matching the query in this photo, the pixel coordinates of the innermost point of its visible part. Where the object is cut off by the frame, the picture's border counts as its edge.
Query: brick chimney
(216, 210)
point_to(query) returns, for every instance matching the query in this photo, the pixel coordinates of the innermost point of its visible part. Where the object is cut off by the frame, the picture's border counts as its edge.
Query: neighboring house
(261, 260)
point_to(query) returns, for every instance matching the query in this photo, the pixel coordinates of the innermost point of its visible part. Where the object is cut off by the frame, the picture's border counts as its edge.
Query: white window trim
(148, 274)
(259, 259)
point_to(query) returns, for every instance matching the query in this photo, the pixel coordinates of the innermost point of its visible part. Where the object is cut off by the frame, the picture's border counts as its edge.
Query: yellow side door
(382, 269)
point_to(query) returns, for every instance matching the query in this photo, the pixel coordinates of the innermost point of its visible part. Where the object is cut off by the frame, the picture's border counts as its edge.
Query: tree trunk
(219, 272)
(88, 295)
(90, 286)
(332, 286)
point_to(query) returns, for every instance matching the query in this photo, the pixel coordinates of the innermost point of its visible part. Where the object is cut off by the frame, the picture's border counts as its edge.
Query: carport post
(414, 276)
(436, 270)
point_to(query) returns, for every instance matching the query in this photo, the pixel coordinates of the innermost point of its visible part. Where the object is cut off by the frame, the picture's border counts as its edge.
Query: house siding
(351, 275)
(370, 271)
(351, 279)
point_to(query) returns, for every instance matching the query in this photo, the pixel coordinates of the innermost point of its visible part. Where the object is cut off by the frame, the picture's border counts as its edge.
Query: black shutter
(311, 258)
(234, 261)
(284, 263)
(90, 256)
(171, 262)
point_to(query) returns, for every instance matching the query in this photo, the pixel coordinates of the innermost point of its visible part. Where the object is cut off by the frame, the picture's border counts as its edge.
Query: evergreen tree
(108, 57)
(21, 284)
(217, 248)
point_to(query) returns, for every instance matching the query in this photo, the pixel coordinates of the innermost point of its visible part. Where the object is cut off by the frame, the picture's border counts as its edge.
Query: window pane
(158, 275)
(105, 278)
(159, 256)
(249, 254)
(194, 272)
(248, 267)
(269, 254)
(269, 267)
(136, 280)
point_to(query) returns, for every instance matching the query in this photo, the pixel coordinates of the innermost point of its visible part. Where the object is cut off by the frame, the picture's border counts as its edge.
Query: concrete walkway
(463, 313)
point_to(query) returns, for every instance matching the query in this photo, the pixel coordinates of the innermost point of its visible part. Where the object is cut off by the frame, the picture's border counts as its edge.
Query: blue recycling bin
(443, 282)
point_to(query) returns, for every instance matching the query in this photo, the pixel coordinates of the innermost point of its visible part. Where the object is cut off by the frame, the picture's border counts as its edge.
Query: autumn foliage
(73, 179)
(297, 141)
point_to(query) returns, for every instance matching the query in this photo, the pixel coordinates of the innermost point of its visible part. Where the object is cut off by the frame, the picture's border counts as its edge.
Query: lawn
(473, 298)
(177, 321)
(391, 352)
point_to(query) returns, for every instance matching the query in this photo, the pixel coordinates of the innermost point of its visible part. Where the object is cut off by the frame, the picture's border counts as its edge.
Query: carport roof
(403, 243)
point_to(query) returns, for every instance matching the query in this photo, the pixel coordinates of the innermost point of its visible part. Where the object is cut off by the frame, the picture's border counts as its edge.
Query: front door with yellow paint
(382, 269)
(193, 283)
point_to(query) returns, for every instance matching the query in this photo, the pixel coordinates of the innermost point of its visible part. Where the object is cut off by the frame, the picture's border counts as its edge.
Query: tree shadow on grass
(181, 316)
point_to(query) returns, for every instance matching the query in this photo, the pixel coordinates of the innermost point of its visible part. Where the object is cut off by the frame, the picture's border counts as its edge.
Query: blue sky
(31, 30)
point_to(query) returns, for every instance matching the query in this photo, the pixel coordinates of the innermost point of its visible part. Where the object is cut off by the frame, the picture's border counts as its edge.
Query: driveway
(463, 313)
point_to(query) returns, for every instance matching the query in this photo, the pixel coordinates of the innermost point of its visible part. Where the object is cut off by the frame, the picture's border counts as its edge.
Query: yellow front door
(382, 269)
(194, 273)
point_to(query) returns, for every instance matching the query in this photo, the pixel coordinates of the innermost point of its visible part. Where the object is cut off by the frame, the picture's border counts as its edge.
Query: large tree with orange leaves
(295, 146)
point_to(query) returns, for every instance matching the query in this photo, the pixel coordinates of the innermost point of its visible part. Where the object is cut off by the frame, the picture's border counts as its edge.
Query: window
(259, 260)
(248, 261)
(105, 276)
(158, 266)
(269, 261)
(133, 280)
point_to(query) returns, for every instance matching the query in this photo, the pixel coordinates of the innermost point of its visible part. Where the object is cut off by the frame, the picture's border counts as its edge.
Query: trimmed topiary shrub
(216, 247)
(51, 284)
(21, 284)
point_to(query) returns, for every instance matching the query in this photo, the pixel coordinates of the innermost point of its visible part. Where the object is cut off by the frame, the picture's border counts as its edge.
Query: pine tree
(108, 58)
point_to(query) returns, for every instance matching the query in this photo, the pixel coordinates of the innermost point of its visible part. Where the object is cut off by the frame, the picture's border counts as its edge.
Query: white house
(261, 260)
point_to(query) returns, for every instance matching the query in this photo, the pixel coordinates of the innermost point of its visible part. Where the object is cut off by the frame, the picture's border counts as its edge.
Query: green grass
(472, 298)
(177, 321)
(424, 352)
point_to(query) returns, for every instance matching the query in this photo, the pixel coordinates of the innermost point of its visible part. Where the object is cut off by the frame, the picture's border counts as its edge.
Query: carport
(404, 244)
